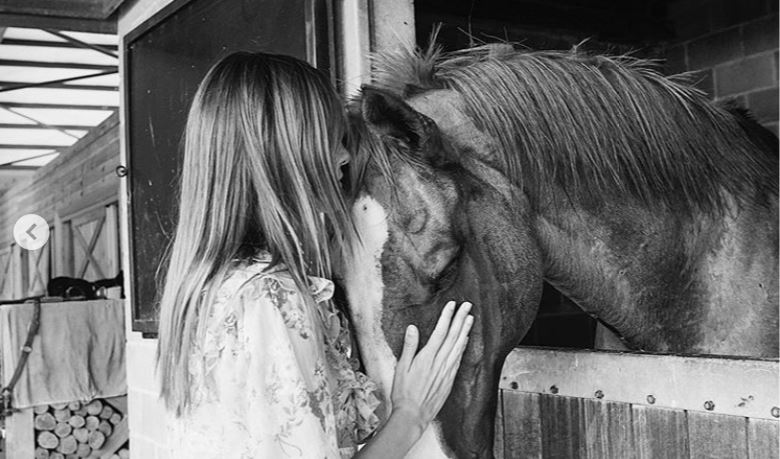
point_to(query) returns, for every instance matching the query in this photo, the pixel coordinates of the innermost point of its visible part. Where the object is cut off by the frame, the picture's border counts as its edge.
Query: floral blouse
(273, 378)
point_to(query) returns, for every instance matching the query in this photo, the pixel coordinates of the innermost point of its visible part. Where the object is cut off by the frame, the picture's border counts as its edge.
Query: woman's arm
(422, 383)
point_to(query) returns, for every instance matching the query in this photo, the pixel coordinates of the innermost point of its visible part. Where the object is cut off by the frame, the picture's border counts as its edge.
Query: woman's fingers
(442, 326)
(411, 341)
(454, 332)
(453, 360)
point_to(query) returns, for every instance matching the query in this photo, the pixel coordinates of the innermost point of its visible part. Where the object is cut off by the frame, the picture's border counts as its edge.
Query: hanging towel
(78, 354)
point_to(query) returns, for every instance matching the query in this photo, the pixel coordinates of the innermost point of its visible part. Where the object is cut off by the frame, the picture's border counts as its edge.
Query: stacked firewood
(73, 430)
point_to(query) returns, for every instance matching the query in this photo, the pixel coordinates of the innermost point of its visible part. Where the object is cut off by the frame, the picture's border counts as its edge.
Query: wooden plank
(763, 439)
(563, 426)
(522, 425)
(25, 146)
(112, 252)
(79, 9)
(5, 272)
(736, 386)
(67, 8)
(49, 44)
(45, 106)
(58, 23)
(659, 433)
(498, 428)
(48, 127)
(717, 436)
(608, 429)
(17, 274)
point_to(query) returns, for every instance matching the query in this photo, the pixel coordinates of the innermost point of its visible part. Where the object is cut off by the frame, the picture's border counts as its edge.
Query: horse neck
(665, 283)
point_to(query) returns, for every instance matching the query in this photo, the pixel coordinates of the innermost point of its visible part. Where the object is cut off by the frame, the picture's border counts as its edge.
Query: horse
(482, 173)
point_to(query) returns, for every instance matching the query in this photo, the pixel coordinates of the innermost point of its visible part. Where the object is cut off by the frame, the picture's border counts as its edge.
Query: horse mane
(597, 125)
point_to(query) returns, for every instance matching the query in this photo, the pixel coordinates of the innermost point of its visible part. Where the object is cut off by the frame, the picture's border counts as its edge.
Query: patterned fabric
(273, 378)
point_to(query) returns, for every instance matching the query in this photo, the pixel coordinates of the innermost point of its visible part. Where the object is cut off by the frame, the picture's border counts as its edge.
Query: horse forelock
(371, 150)
(596, 125)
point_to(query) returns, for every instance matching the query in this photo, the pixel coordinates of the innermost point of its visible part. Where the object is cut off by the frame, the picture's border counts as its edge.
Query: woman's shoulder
(251, 276)
(258, 275)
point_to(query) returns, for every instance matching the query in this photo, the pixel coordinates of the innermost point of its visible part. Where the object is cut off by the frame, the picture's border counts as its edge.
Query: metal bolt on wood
(599, 394)
(776, 411)
(651, 399)
(554, 389)
(709, 405)
(513, 385)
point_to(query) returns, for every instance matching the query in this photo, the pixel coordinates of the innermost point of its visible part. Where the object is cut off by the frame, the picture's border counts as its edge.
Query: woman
(253, 357)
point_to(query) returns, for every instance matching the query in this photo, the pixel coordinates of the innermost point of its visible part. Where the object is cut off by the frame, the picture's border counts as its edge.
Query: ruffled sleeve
(355, 399)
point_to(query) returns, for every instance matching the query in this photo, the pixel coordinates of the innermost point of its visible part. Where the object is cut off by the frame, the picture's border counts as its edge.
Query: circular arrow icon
(31, 232)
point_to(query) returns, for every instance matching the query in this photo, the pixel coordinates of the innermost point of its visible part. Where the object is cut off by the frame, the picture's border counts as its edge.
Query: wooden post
(17, 271)
(392, 24)
(355, 44)
(112, 241)
(57, 255)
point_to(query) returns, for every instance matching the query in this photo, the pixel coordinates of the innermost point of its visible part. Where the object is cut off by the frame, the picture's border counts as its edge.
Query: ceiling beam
(82, 44)
(9, 163)
(51, 82)
(22, 146)
(37, 121)
(58, 106)
(57, 65)
(92, 9)
(58, 23)
(19, 168)
(50, 44)
(48, 127)
(85, 87)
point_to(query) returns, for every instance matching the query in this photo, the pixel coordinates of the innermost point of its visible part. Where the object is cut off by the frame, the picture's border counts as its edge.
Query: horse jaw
(364, 286)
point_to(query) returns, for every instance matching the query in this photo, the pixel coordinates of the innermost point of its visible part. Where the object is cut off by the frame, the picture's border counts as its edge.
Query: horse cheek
(503, 275)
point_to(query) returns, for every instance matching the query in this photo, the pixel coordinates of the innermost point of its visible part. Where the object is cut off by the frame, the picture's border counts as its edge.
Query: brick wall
(733, 48)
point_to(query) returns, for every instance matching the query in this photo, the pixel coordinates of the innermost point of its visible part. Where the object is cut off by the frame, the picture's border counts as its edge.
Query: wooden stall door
(14, 274)
(94, 244)
(6, 275)
(558, 403)
(38, 269)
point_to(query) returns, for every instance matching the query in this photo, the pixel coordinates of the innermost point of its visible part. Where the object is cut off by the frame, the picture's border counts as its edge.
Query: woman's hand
(423, 382)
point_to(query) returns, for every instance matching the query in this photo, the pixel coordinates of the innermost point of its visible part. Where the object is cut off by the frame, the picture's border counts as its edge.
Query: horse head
(431, 230)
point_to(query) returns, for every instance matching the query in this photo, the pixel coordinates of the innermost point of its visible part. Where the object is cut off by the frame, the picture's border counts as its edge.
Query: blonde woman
(253, 357)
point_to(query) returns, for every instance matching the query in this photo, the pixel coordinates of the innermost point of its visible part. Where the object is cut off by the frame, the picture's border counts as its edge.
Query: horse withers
(481, 174)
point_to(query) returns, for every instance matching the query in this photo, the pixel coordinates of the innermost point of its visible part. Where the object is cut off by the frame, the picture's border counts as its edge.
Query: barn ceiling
(58, 78)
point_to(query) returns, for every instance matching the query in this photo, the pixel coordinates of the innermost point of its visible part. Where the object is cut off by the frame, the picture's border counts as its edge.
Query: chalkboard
(165, 59)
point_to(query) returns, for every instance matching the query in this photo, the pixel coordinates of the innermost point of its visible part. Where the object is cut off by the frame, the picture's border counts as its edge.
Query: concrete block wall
(148, 417)
(733, 48)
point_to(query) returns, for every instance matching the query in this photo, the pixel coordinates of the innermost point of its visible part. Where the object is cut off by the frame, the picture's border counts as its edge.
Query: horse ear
(388, 115)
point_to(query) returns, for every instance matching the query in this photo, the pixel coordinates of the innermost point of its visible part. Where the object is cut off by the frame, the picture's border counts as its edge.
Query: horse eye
(417, 221)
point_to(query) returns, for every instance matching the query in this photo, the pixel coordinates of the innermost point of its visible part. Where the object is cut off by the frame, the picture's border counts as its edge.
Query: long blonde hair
(258, 174)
